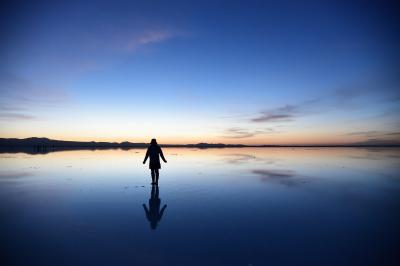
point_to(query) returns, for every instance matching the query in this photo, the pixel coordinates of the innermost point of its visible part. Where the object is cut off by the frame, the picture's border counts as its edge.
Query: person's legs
(153, 177)
(157, 175)
(157, 192)
(153, 192)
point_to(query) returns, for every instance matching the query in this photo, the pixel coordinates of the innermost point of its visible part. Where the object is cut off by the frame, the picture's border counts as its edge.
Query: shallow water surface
(233, 206)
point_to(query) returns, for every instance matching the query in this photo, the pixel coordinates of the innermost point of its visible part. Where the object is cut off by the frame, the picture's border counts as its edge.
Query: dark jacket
(154, 152)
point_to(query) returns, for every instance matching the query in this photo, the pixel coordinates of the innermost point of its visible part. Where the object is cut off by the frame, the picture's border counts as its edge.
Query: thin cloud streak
(365, 133)
(122, 42)
(15, 116)
(18, 97)
(284, 113)
(17, 92)
(14, 175)
(242, 133)
(350, 97)
(379, 141)
(376, 137)
(149, 37)
(239, 133)
(393, 134)
(266, 117)
(133, 41)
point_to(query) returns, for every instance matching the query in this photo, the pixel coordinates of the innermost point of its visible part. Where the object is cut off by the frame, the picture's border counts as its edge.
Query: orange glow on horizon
(287, 139)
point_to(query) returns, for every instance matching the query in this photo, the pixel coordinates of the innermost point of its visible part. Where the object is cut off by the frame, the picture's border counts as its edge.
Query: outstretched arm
(162, 156)
(162, 211)
(147, 156)
(146, 210)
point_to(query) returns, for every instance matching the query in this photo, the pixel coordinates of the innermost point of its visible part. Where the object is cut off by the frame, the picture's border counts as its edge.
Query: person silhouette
(154, 151)
(153, 213)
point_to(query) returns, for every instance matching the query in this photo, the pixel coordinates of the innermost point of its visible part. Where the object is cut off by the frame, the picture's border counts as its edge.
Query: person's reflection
(153, 213)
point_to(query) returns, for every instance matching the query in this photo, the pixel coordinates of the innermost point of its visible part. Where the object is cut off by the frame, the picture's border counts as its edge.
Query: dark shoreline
(44, 145)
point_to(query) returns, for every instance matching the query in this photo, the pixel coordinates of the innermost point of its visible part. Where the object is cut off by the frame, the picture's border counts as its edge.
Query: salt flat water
(232, 206)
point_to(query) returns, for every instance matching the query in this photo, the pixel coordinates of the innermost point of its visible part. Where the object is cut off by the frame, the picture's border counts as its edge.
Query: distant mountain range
(44, 145)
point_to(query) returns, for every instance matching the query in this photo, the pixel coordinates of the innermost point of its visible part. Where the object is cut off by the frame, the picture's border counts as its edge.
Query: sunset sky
(251, 72)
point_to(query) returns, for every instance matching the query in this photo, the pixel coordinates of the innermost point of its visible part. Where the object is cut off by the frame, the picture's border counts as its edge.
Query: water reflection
(13, 175)
(153, 213)
(333, 206)
(284, 177)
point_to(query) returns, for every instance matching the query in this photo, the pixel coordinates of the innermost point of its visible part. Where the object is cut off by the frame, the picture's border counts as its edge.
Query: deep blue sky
(234, 72)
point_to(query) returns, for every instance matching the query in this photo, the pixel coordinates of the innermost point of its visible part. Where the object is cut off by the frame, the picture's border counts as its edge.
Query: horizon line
(199, 144)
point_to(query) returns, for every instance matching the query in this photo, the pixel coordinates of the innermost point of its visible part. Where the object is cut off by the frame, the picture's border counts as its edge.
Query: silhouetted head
(153, 142)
